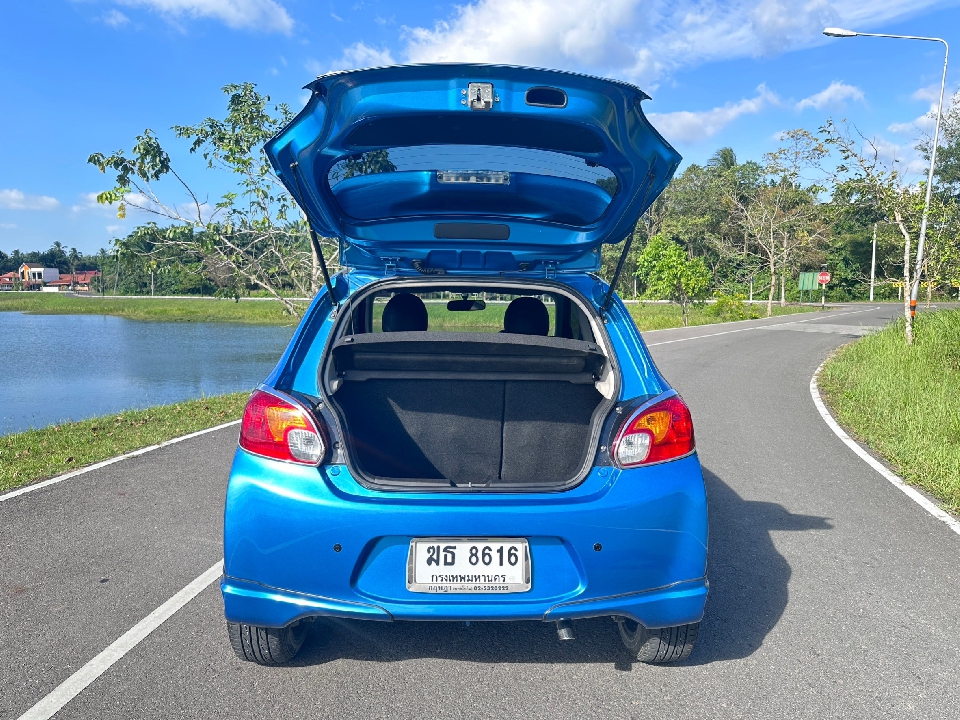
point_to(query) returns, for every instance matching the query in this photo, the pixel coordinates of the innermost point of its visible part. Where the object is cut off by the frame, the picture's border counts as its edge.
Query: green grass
(185, 310)
(904, 402)
(647, 316)
(655, 316)
(37, 454)
(660, 316)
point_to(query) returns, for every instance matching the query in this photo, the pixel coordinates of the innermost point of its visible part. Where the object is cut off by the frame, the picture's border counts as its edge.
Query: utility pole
(873, 261)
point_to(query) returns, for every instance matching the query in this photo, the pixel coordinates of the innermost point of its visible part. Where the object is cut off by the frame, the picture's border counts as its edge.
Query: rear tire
(266, 646)
(663, 645)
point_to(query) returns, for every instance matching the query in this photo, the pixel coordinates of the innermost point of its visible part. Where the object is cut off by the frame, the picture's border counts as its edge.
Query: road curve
(832, 594)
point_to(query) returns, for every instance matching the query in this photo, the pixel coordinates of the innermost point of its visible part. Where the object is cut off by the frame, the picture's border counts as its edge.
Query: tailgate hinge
(550, 269)
(390, 266)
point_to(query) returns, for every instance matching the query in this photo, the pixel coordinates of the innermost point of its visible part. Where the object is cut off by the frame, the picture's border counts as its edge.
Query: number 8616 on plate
(468, 565)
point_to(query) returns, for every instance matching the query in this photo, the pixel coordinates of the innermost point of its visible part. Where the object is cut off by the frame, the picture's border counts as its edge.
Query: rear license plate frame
(481, 587)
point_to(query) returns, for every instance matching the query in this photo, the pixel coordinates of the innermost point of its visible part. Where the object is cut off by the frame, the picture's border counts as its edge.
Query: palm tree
(723, 159)
(74, 258)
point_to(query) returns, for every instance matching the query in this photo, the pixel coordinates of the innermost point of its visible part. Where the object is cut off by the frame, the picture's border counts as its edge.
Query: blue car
(467, 426)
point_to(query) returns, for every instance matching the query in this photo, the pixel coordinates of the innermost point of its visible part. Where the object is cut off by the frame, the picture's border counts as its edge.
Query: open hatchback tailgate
(472, 168)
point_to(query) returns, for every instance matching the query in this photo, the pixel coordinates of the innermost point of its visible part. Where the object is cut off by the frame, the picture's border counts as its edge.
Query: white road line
(97, 466)
(898, 481)
(75, 684)
(757, 327)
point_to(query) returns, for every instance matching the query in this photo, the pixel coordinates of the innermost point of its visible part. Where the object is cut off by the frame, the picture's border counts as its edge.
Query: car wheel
(662, 645)
(266, 646)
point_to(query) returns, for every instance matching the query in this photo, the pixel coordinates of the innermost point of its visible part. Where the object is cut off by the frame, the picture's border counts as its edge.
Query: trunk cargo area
(468, 409)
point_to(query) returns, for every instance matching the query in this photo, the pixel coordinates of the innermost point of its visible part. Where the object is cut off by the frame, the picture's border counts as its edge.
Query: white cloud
(908, 160)
(692, 126)
(358, 55)
(88, 201)
(636, 39)
(18, 200)
(115, 18)
(114, 229)
(8, 226)
(922, 124)
(266, 15)
(833, 96)
(930, 93)
(534, 32)
(779, 25)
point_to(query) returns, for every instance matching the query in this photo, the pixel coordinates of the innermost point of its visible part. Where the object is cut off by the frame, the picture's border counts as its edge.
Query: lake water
(55, 368)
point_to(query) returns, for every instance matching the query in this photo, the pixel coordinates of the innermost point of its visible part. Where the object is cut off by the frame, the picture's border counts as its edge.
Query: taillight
(276, 428)
(661, 432)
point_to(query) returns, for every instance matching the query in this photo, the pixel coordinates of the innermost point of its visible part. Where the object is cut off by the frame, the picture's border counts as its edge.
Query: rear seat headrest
(405, 313)
(527, 316)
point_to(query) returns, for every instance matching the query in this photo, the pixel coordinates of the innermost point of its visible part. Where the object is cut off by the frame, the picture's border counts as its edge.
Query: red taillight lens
(278, 429)
(661, 432)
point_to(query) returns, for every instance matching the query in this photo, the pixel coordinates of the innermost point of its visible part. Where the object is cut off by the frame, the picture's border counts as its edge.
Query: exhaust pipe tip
(565, 631)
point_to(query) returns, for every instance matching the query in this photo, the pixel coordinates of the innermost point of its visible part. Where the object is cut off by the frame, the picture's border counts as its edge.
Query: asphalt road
(832, 594)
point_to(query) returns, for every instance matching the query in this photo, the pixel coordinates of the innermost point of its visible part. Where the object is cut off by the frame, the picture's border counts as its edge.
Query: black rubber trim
(471, 231)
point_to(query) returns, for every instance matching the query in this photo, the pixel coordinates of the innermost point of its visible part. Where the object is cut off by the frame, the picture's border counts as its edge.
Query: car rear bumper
(301, 541)
(271, 607)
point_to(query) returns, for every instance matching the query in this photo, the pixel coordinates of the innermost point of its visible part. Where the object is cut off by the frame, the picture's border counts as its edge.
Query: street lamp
(841, 33)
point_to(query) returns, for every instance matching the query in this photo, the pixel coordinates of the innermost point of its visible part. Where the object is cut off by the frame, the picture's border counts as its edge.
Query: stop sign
(823, 278)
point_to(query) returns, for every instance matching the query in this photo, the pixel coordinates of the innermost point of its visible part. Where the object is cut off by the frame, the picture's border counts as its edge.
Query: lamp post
(873, 262)
(841, 33)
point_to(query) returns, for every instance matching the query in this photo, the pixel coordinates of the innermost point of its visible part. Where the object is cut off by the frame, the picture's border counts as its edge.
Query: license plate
(468, 565)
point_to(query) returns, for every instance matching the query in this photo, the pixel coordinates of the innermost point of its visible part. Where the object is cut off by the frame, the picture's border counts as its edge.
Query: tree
(723, 159)
(255, 236)
(696, 215)
(941, 262)
(670, 274)
(780, 216)
(947, 170)
(862, 180)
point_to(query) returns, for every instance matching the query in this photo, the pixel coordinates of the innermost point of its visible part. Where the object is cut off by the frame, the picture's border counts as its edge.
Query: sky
(82, 76)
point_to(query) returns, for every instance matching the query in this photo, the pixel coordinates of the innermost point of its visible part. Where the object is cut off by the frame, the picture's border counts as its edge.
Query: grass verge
(185, 310)
(654, 316)
(660, 316)
(37, 454)
(904, 402)
(647, 316)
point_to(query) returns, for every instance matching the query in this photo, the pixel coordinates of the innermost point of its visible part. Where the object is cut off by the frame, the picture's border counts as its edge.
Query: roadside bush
(731, 307)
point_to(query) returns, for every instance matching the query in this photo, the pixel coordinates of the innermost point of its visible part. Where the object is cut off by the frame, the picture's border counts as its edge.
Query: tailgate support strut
(628, 241)
(314, 240)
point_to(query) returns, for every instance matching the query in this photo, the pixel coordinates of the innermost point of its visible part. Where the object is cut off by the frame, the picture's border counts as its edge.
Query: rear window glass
(441, 319)
(472, 180)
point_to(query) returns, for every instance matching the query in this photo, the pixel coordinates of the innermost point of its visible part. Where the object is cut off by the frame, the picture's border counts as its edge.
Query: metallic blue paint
(602, 123)
(282, 521)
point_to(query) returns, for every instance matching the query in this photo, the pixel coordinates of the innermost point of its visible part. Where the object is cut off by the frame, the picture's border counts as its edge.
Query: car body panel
(650, 524)
(394, 215)
(303, 541)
